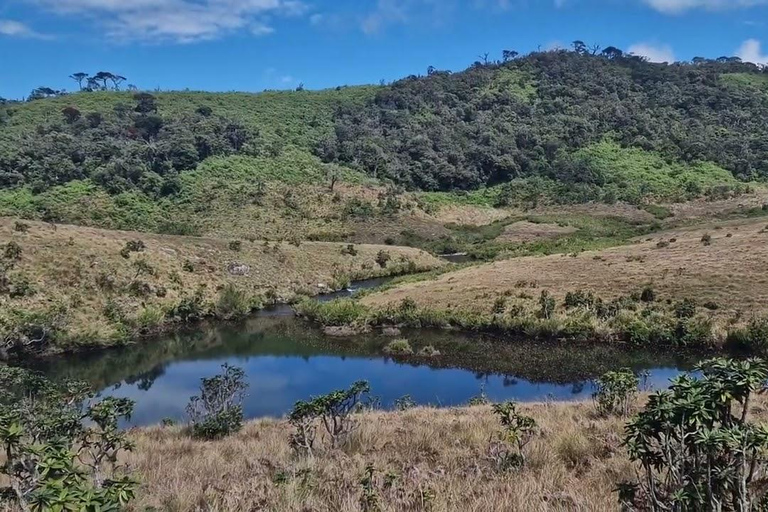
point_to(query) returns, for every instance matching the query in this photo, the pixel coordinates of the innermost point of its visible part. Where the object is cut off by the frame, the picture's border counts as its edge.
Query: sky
(252, 45)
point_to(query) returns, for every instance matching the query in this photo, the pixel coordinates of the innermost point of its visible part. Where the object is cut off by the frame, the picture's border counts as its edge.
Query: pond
(286, 359)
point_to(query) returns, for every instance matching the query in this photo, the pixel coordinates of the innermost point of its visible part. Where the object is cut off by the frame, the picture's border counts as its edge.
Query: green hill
(550, 127)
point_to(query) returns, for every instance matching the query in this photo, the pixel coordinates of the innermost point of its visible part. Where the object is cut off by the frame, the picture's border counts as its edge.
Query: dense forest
(528, 117)
(567, 119)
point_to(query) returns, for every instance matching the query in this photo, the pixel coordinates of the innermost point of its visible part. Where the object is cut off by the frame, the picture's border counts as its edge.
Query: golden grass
(730, 272)
(438, 458)
(525, 231)
(63, 264)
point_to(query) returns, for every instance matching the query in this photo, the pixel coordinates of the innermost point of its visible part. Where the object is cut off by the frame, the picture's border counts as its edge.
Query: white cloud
(12, 28)
(177, 20)
(387, 12)
(653, 52)
(751, 51)
(679, 6)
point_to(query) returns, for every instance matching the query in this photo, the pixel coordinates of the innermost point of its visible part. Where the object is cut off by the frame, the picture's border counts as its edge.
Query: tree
(116, 81)
(508, 55)
(579, 47)
(79, 77)
(145, 103)
(612, 52)
(102, 77)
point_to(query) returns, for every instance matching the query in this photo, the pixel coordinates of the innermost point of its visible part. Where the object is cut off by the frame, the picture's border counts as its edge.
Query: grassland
(424, 459)
(79, 286)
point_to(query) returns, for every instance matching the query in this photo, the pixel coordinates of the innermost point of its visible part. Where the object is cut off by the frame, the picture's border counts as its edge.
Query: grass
(91, 295)
(423, 459)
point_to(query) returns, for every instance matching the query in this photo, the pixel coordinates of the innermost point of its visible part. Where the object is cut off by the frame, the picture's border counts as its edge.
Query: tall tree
(116, 81)
(79, 77)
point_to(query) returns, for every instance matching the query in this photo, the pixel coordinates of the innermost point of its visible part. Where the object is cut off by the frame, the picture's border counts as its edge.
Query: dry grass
(65, 264)
(730, 272)
(439, 460)
(525, 231)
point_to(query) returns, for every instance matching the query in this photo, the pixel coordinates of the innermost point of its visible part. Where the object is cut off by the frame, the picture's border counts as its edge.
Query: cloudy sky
(253, 45)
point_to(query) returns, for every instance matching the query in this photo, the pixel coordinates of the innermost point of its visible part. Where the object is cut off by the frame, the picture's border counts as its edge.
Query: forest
(559, 120)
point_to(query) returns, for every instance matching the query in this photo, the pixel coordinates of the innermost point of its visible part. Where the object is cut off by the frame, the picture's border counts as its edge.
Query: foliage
(546, 305)
(382, 258)
(233, 303)
(217, 411)
(333, 411)
(695, 445)
(615, 392)
(398, 347)
(61, 448)
(508, 451)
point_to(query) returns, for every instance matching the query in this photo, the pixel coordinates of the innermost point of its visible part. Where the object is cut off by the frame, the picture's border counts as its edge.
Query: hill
(547, 128)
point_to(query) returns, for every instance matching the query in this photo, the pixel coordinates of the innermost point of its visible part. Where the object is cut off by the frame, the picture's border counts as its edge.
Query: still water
(286, 360)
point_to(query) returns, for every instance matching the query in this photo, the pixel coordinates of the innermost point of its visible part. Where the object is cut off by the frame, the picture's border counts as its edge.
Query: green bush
(62, 449)
(695, 446)
(232, 303)
(235, 245)
(399, 347)
(382, 258)
(12, 252)
(333, 411)
(331, 313)
(615, 392)
(508, 450)
(546, 305)
(217, 411)
(752, 339)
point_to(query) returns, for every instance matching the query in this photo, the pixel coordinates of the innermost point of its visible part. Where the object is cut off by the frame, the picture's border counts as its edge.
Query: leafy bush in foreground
(61, 449)
(508, 451)
(694, 443)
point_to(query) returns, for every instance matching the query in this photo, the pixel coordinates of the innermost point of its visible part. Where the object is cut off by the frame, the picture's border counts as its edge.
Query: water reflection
(287, 360)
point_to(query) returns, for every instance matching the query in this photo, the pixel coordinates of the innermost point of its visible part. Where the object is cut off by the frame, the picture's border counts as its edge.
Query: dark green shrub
(579, 299)
(753, 338)
(235, 245)
(499, 306)
(21, 286)
(382, 258)
(218, 412)
(61, 450)
(695, 446)
(12, 252)
(615, 392)
(706, 239)
(21, 227)
(187, 266)
(404, 403)
(648, 294)
(686, 308)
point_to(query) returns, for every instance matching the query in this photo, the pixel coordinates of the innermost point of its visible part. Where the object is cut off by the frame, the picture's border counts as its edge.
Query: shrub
(21, 227)
(349, 250)
(132, 246)
(332, 410)
(218, 412)
(12, 252)
(187, 266)
(752, 338)
(61, 450)
(232, 303)
(235, 245)
(695, 445)
(706, 239)
(615, 392)
(336, 312)
(648, 294)
(399, 347)
(149, 318)
(190, 308)
(546, 305)
(143, 267)
(499, 306)
(508, 450)
(21, 286)
(686, 308)
(382, 258)
(404, 403)
(579, 299)
(428, 351)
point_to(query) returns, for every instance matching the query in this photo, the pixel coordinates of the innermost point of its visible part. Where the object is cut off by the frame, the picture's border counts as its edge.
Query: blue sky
(252, 45)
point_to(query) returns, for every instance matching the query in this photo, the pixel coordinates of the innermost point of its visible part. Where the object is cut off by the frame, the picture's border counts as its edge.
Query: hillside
(72, 287)
(547, 128)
